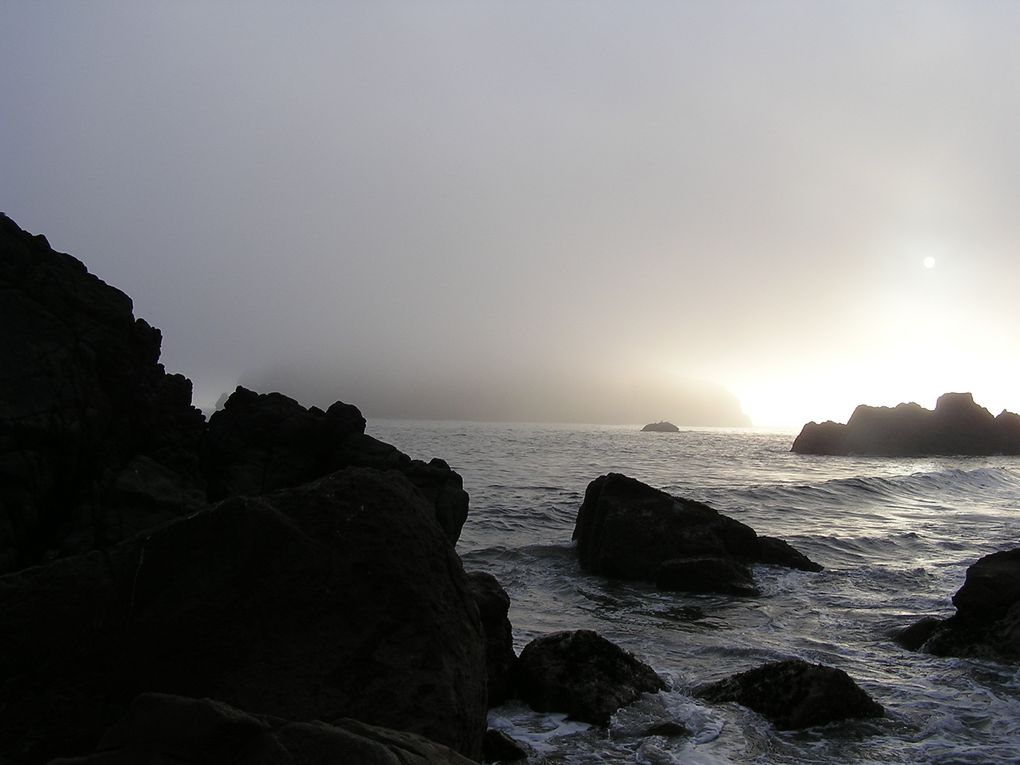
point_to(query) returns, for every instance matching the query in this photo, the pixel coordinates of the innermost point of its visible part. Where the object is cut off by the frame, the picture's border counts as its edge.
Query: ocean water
(895, 537)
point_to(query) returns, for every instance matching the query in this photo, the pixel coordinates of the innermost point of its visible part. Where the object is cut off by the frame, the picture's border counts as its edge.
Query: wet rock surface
(987, 619)
(493, 608)
(794, 694)
(582, 674)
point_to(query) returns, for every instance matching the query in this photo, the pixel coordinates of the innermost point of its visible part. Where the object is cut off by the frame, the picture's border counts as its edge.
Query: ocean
(895, 537)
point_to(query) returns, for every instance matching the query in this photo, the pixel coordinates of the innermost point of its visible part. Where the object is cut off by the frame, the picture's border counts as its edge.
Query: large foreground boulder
(956, 426)
(583, 674)
(987, 619)
(338, 598)
(258, 443)
(629, 530)
(96, 440)
(160, 728)
(794, 694)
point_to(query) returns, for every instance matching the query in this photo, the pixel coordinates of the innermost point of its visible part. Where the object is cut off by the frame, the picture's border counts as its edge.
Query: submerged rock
(956, 426)
(729, 577)
(583, 674)
(987, 619)
(497, 746)
(341, 597)
(660, 427)
(794, 694)
(164, 728)
(629, 530)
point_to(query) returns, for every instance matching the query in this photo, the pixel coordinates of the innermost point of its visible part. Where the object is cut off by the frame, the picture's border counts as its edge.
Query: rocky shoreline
(276, 585)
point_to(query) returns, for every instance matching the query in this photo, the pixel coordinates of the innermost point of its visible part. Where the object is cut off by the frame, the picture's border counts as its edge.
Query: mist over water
(895, 537)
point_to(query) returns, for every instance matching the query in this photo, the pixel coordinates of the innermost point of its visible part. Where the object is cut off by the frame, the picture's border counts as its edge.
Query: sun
(929, 262)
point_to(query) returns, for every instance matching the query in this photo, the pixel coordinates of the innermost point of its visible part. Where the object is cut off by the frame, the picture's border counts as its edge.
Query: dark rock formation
(956, 426)
(96, 440)
(160, 728)
(341, 597)
(794, 694)
(987, 619)
(628, 529)
(723, 575)
(499, 747)
(259, 443)
(582, 674)
(660, 427)
(493, 608)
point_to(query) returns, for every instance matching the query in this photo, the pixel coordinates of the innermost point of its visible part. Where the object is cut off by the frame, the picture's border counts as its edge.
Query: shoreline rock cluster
(957, 426)
(274, 584)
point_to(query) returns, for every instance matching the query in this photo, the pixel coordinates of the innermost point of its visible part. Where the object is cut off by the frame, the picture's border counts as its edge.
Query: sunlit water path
(895, 536)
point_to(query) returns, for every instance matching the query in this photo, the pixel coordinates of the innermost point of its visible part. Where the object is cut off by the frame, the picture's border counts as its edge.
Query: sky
(711, 213)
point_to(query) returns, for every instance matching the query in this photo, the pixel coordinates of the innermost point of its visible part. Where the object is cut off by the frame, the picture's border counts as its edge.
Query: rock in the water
(84, 405)
(583, 674)
(729, 577)
(987, 619)
(258, 443)
(497, 746)
(493, 608)
(794, 694)
(161, 728)
(956, 426)
(628, 529)
(660, 427)
(341, 597)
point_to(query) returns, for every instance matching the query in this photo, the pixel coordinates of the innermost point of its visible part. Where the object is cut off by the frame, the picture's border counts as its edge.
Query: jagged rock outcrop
(956, 426)
(161, 728)
(794, 694)
(339, 597)
(493, 608)
(583, 674)
(660, 427)
(259, 443)
(987, 619)
(97, 441)
(627, 529)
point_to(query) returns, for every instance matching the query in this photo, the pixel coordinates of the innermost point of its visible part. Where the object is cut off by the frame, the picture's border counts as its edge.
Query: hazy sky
(600, 211)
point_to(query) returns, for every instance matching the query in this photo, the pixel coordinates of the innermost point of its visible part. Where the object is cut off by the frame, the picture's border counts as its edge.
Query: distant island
(660, 427)
(957, 426)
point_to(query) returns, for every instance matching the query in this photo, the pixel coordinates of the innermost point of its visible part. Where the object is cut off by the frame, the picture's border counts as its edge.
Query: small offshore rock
(583, 674)
(660, 427)
(917, 634)
(795, 694)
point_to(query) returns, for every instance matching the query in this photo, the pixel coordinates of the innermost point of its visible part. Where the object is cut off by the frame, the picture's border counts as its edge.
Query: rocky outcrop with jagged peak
(660, 427)
(97, 441)
(957, 426)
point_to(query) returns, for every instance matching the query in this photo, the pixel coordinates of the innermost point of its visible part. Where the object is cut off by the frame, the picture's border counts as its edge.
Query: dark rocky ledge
(957, 426)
